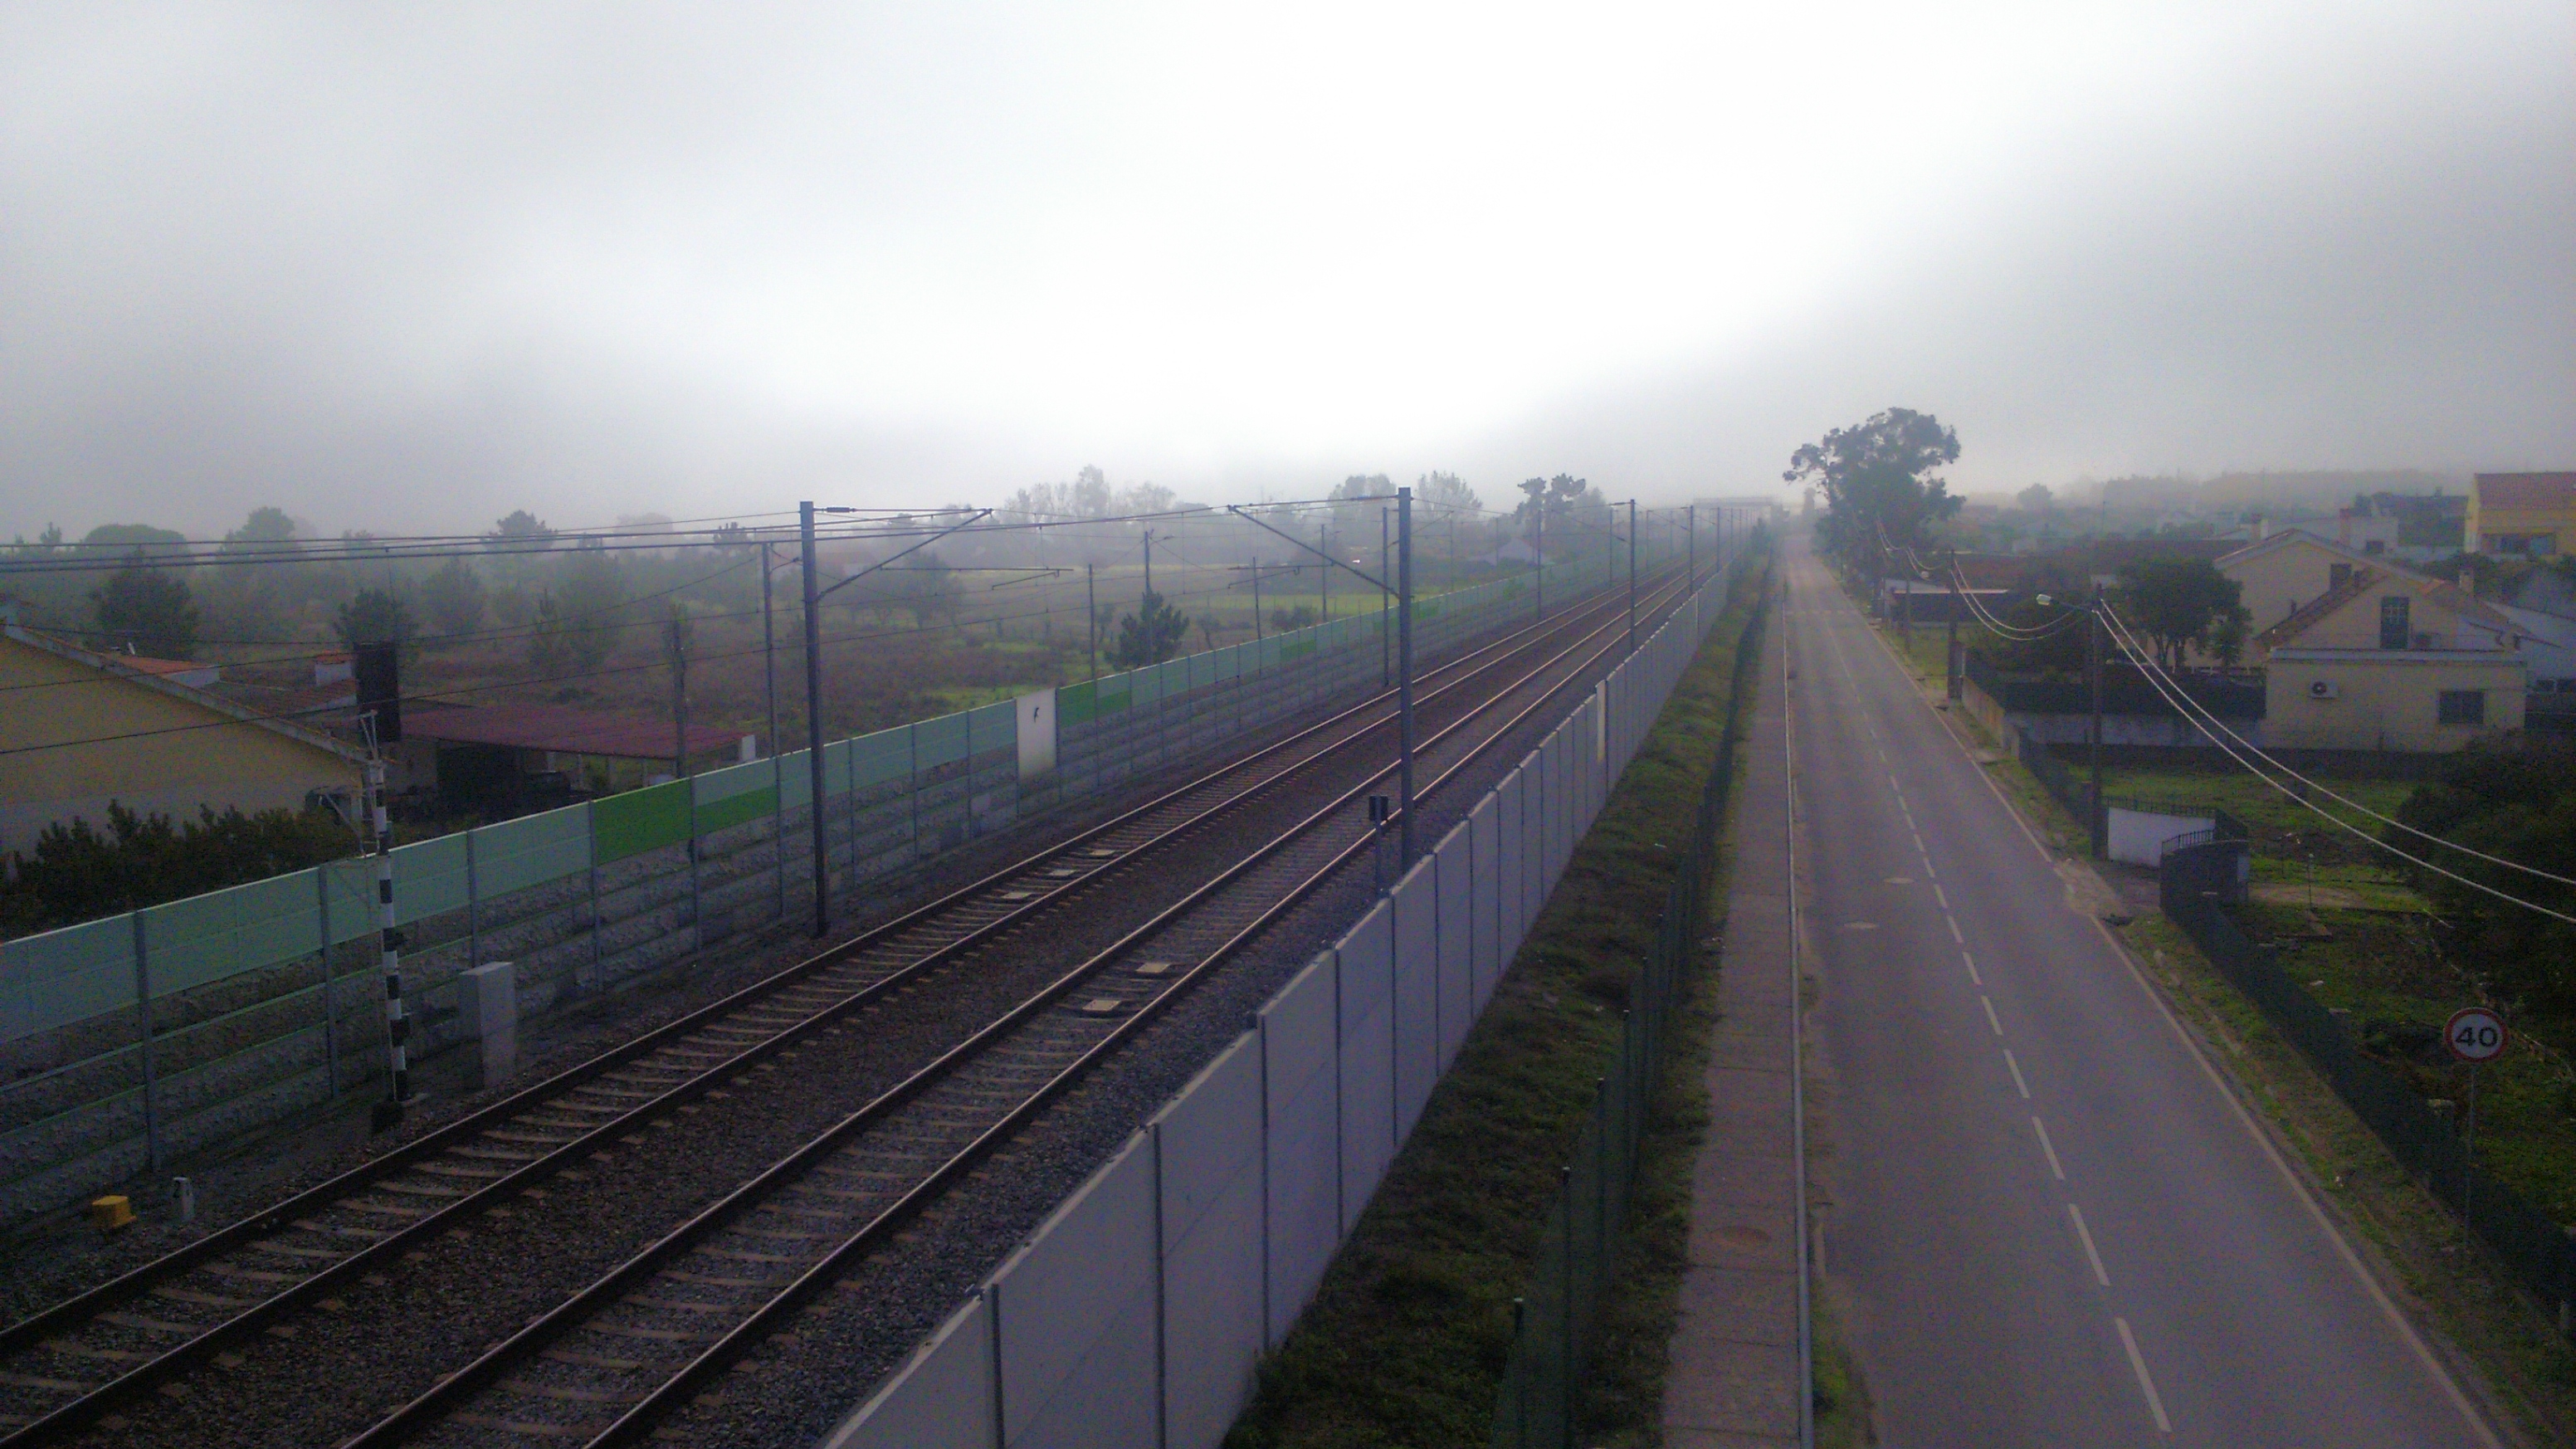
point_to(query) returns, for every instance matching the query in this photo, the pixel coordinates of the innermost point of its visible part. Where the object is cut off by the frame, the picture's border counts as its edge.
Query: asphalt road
(2049, 1222)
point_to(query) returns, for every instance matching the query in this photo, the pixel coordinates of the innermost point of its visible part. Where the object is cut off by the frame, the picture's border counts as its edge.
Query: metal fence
(2054, 777)
(2530, 1244)
(1137, 1313)
(1555, 1323)
(167, 1030)
(2125, 691)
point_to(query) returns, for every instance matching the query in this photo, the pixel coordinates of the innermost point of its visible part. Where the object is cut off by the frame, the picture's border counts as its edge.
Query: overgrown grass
(2347, 924)
(1407, 1338)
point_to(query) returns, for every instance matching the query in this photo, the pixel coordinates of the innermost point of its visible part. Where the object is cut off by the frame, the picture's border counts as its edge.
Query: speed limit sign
(2474, 1034)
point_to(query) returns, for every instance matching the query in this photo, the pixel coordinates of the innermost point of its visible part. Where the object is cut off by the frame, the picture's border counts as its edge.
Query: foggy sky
(409, 269)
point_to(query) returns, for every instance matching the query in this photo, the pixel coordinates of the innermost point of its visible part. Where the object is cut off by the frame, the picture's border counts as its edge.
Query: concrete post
(487, 1008)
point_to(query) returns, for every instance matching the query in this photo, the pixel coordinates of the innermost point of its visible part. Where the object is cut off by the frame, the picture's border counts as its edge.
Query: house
(82, 729)
(2530, 514)
(493, 753)
(2365, 529)
(2360, 654)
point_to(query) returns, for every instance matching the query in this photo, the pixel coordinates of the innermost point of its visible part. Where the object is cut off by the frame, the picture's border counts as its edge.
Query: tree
(594, 594)
(1447, 493)
(2226, 642)
(521, 531)
(2037, 498)
(147, 610)
(140, 538)
(1355, 523)
(1209, 624)
(267, 530)
(78, 872)
(2179, 603)
(376, 616)
(2513, 797)
(1150, 635)
(1147, 498)
(2061, 653)
(1880, 494)
(454, 597)
(923, 585)
(1087, 496)
(550, 649)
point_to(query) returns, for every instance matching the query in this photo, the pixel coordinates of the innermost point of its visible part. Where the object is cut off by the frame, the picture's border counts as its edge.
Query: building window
(2462, 707)
(2393, 621)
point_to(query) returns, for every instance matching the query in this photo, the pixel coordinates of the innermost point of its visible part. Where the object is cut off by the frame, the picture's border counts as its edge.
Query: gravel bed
(486, 1280)
(795, 1390)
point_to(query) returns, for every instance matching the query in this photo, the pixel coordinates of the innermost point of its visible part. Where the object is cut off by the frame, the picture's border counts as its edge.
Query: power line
(2258, 752)
(2130, 643)
(605, 673)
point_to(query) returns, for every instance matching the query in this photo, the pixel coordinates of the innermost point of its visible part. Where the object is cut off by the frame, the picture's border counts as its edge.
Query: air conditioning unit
(2324, 689)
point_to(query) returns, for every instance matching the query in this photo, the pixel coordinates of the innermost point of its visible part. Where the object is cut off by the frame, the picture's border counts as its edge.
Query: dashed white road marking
(1928, 872)
(1954, 931)
(2137, 1361)
(1942, 896)
(2086, 1234)
(2047, 1146)
(1991, 1019)
(2024, 1086)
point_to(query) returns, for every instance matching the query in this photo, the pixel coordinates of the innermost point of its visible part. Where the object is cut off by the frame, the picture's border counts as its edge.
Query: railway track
(614, 1362)
(63, 1368)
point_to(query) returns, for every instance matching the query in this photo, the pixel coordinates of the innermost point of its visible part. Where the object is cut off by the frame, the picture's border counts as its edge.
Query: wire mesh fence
(1555, 1322)
(2533, 1246)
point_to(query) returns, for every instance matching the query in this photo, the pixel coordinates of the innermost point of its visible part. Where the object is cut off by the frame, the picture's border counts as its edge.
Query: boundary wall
(138, 1037)
(1139, 1310)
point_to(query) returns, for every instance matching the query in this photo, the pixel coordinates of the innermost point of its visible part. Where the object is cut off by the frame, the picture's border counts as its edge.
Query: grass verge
(2521, 1366)
(1406, 1340)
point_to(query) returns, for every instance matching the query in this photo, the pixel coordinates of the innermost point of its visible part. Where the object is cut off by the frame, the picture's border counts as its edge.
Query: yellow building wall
(2279, 582)
(2386, 700)
(2559, 522)
(2356, 624)
(229, 763)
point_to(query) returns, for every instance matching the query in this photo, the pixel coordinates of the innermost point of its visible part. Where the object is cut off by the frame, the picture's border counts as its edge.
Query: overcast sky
(410, 267)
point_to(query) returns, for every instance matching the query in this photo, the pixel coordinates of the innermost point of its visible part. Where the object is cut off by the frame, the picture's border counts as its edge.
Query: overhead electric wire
(2017, 632)
(2171, 698)
(2213, 721)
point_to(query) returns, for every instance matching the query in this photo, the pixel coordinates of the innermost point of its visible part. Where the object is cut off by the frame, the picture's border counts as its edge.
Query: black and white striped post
(388, 1113)
(380, 715)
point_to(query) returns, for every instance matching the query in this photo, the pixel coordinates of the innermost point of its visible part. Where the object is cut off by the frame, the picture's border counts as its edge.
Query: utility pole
(675, 646)
(814, 723)
(1256, 598)
(1091, 618)
(1632, 575)
(1326, 550)
(1539, 569)
(1149, 561)
(1384, 644)
(1950, 650)
(1404, 696)
(1690, 574)
(2101, 821)
(769, 684)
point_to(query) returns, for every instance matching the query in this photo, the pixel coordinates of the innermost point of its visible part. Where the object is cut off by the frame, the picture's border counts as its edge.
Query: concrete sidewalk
(1734, 1377)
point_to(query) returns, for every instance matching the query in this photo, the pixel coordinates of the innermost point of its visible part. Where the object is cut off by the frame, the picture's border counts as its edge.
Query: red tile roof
(569, 731)
(2526, 490)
